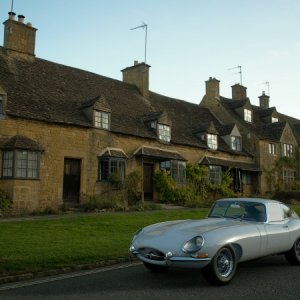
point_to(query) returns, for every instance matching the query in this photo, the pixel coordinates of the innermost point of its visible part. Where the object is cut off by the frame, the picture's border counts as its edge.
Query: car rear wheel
(155, 268)
(222, 268)
(293, 256)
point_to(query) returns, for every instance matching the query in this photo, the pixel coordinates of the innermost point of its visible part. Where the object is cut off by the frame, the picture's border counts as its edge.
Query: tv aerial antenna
(239, 72)
(145, 27)
(12, 6)
(267, 84)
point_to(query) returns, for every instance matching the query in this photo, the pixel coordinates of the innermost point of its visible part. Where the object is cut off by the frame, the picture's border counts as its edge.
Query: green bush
(133, 183)
(165, 186)
(112, 202)
(5, 202)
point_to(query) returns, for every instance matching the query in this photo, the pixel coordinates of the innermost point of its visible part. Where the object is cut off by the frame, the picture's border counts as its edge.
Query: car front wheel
(222, 268)
(293, 256)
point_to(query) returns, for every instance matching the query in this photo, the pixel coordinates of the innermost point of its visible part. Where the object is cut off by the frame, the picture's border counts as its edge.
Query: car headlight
(193, 245)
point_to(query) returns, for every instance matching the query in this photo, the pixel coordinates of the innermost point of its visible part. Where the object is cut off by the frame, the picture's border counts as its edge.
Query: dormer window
(248, 115)
(212, 141)
(164, 132)
(236, 143)
(101, 119)
(274, 120)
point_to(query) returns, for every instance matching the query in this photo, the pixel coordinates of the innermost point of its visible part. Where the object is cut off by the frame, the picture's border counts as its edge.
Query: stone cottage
(64, 131)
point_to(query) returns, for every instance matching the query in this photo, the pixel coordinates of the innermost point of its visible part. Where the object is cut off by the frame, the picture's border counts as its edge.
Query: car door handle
(285, 226)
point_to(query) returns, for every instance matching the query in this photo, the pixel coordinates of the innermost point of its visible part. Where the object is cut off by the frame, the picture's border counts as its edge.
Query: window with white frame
(236, 143)
(176, 168)
(20, 164)
(164, 132)
(102, 119)
(212, 141)
(272, 148)
(287, 150)
(274, 120)
(248, 115)
(288, 176)
(215, 174)
(109, 166)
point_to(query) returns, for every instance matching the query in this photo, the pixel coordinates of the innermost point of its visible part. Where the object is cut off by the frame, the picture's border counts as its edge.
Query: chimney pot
(21, 18)
(12, 15)
(136, 62)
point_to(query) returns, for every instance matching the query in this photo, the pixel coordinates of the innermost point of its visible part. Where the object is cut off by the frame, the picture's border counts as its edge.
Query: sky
(188, 41)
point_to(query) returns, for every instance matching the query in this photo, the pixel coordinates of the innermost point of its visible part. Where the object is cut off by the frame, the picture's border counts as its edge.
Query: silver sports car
(236, 230)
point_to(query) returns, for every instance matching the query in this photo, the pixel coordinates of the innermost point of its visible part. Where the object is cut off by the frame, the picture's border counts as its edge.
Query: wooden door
(148, 181)
(71, 185)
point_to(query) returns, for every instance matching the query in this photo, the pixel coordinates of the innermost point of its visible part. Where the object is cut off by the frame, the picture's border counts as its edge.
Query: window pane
(105, 120)
(212, 141)
(104, 169)
(248, 115)
(215, 174)
(110, 166)
(236, 143)
(101, 119)
(7, 168)
(21, 164)
(164, 132)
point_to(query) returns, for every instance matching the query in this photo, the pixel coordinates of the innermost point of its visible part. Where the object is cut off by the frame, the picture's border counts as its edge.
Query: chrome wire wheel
(222, 267)
(225, 262)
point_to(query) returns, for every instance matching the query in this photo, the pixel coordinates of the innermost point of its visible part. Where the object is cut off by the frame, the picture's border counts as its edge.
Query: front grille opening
(152, 254)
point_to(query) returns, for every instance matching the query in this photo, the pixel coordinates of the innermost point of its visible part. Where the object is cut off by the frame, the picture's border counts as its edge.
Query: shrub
(165, 186)
(113, 202)
(5, 202)
(132, 183)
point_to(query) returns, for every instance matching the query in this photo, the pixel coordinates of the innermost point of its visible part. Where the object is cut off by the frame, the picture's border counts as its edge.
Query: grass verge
(37, 245)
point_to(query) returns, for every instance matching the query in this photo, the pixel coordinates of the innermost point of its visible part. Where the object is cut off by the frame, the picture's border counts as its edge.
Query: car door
(277, 230)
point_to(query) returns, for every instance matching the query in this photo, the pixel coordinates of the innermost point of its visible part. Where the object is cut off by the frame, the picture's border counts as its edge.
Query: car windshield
(243, 210)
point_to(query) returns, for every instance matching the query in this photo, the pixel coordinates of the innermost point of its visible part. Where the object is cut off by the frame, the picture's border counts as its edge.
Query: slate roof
(51, 92)
(263, 130)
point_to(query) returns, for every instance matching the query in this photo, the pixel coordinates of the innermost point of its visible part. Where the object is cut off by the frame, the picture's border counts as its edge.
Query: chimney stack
(21, 18)
(212, 88)
(239, 92)
(264, 100)
(12, 15)
(138, 75)
(18, 36)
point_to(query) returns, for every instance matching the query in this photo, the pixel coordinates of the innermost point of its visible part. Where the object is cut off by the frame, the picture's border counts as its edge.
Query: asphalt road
(268, 278)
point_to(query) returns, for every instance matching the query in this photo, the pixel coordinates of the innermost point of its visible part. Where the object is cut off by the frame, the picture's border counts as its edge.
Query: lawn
(36, 245)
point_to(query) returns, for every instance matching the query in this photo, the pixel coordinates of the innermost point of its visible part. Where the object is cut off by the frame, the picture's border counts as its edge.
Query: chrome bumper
(173, 261)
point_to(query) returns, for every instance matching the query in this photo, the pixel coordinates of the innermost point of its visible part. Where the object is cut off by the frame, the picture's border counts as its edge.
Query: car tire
(222, 268)
(293, 256)
(155, 268)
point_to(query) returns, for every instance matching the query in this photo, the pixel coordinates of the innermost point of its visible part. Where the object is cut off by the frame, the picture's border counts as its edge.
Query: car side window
(275, 212)
(288, 212)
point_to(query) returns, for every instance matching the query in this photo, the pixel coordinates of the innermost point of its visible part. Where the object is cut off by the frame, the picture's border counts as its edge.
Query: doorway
(148, 181)
(71, 184)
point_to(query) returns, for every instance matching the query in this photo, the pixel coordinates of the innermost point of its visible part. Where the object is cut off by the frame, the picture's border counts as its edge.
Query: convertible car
(236, 230)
